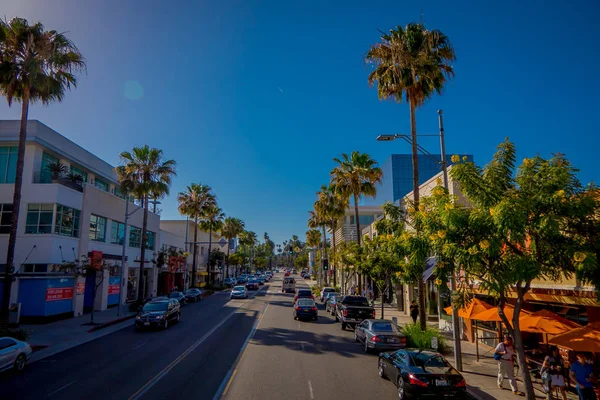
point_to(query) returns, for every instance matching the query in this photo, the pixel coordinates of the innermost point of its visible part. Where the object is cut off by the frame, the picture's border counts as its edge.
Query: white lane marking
(138, 346)
(312, 396)
(62, 387)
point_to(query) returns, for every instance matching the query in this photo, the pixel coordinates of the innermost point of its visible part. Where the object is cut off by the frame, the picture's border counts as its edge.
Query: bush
(316, 291)
(415, 337)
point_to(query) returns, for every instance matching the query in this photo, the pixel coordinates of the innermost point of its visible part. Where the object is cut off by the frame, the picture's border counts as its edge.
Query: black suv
(158, 314)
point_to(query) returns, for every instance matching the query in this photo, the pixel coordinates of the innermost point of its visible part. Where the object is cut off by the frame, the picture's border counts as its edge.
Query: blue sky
(255, 98)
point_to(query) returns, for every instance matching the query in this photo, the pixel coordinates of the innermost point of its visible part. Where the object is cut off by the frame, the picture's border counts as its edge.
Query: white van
(289, 285)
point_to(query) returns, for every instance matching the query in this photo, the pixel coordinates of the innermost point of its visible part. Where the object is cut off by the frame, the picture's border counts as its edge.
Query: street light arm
(421, 148)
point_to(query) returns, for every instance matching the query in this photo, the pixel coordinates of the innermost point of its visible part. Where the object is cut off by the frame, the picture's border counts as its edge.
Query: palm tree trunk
(325, 273)
(360, 283)
(12, 239)
(227, 261)
(195, 257)
(141, 280)
(208, 267)
(333, 258)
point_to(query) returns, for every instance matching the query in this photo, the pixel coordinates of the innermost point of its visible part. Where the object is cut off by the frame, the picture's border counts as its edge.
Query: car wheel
(20, 363)
(166, 324)
(380, 369)
(401, 392)
(343, 326)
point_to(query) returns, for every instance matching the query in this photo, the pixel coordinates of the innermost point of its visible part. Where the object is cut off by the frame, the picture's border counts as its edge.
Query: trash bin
(14, 313)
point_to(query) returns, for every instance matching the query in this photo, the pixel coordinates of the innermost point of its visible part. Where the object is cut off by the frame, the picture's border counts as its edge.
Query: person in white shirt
(506, 351)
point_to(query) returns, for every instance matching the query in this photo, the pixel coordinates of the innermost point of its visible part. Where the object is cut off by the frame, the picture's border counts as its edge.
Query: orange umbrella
(586, 339)
(545, 321)
(476, 306)
(492, 315)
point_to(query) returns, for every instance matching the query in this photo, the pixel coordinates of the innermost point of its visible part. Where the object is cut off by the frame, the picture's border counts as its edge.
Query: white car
(239, 292)
(326, 290)
(13, 353)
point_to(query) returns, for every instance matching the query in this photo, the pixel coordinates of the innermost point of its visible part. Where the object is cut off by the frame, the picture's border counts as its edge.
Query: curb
(110, 323)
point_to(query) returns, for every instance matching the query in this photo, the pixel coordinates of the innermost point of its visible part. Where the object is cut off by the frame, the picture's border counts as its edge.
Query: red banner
(80, 287)
(114, 289)
(54, 294)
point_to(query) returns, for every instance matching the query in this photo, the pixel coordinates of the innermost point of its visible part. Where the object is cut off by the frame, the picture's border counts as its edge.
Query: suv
(158, 314)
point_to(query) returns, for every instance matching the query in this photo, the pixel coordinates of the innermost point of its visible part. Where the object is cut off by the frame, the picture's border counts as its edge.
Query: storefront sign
(114, 289)
(80, 288)
(96, 260)
(54, 294)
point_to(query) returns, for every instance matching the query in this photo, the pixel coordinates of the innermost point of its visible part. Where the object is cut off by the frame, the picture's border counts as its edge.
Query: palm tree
(248, 240)
(232, 227)
(212, 222)
(336, 208)
(35, 66)
(356, 176)
(145, 172)
(415, 63)
(313, 238)
(192, 203)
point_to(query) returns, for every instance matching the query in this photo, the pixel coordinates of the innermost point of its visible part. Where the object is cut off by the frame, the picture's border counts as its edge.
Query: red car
(287, 273)
(304, 294)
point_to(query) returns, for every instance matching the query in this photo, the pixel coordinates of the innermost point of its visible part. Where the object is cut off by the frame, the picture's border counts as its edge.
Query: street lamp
(408, 139)
(125, 235)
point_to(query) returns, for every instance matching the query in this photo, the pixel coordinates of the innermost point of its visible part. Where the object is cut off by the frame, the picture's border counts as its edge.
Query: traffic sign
(222, 242)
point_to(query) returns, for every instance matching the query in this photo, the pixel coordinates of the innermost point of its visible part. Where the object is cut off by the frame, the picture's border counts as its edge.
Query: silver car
(380, 335)
(13, 353)
(239, 292)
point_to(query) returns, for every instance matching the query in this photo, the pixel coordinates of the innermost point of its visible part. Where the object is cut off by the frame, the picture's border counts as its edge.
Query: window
(5, 217)
(8, 164)
(97, 228)
(118, 193)
(201, 251)
(135, 237)
(79, 171)
(45, 173)
(117, 233)
(150, 240)
(34, 268)
(100, 184)
(66, 221)
(39, 218)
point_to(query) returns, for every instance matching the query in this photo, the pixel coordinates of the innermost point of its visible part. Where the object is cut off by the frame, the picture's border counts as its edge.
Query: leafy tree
(145, 172)
(193, 203)
(212, 221)
(35, 66)
(301, 261)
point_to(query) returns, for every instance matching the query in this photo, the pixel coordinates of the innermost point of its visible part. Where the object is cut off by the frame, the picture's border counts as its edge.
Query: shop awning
(476, 306)
(429, 268)
(492, 315)
(585, 339)
(545, 321)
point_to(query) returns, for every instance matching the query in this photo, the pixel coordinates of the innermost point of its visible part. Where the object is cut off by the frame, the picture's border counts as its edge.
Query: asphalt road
(288, 359)
(188, 360)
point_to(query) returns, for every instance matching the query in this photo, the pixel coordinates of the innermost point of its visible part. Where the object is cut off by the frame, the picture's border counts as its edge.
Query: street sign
(222, 242)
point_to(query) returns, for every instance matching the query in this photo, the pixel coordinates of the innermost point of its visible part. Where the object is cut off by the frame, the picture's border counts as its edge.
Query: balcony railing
(73, 184)
(346, 233)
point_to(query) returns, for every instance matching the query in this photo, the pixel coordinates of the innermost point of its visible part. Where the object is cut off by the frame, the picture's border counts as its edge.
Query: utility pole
(123, 256)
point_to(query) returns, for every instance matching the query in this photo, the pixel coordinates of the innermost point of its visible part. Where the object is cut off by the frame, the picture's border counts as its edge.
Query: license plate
(146, 323)
(441, 382)
(306, 310)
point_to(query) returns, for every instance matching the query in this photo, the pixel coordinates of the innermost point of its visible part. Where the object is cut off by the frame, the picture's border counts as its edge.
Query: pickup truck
(352, 310)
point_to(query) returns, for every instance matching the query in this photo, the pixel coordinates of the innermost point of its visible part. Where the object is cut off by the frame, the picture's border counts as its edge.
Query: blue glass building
(397, 176)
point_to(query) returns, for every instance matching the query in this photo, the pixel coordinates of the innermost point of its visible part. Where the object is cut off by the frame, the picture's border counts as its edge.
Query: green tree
(193, 203)
(212, 221)
(145, 172)
(248, 239)
(318, 219)
(334, 206)
(35, 66)
(232, 227)
(301, 261)
(353, 177)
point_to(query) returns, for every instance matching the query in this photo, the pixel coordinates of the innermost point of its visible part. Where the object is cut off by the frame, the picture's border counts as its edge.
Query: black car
(252, 284)
(421, 374)
(179, 296)
(303, 293)
(158, 314)
(193, 295)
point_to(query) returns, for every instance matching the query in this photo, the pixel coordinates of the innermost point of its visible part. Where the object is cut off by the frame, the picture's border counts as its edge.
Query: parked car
(229, 282)
(157, 314)
(380, 335)
(179, 296)
(252, 284)
(242, 279)
(305, 308)
(239, 292)
(14, 354)
(421, 373)
(330, 303)
(261, 280)
(326, 289)
(352, 310)
(288, 285)
(327, 295)
(193, 295)
(294, 271)
(303, 294)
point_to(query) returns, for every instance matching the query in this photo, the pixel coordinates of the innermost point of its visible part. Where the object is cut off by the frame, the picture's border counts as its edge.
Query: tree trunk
(227, 261)
(141, 280)
(325, 272)
(399, 297)
(211, 279)
(195, 257)
(12, 239)
(334, 269)
(357, 223)
(520, 350)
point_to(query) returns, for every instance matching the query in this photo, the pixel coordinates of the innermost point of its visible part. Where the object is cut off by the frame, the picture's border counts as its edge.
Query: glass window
(79, 171)
(97, 228)
(151, 238)
(118, 193)
(100, 184)
(117, 233)
(66, 221)
(45, 173)
(5, 217)
(8, 164)
(39, 218)
(135, 237)
(34, 268)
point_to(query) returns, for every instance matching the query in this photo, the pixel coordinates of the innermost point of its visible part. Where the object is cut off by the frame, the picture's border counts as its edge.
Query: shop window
(97, 228)
(66, 221)
(8, 164)
(5, 217)
(150, 240)
(117, 233)
(100, 184)
(79, 171)
(39, 218)
(135, 237)
(34, 268)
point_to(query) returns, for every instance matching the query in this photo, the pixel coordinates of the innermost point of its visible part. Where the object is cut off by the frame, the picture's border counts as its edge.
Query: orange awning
(546, 321)
(491, 315)
(585, 339)
(476, 306)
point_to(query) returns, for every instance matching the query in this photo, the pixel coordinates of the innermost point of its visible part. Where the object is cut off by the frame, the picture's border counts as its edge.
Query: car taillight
(462, 383)
(373, 313)
(376, 339)
(345, 313)
(415, 381)
(298, 308)
(314, 308)
(403, 340)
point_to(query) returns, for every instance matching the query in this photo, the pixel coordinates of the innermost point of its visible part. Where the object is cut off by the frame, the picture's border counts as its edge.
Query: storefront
(45, 298)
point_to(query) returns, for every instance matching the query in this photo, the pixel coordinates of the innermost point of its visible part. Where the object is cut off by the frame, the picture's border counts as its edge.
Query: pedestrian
(552, 373)
(505, 353)
(414, 311)
(582, 376)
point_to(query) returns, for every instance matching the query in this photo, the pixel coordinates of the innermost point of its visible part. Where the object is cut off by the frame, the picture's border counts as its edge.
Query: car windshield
(175, 295)
(384, 326)
(356, 301)
(162, 306)
(304, 293)
(328, 290)
(252, 280)
(191, 291)
(422, 359)
(239, 288)
(305, 303)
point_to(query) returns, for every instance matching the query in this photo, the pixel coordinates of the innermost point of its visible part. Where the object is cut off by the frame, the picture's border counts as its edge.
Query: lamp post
(407, 138)
(123, 256)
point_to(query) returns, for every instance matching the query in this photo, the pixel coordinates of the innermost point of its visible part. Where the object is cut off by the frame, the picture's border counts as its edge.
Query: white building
(63, 219)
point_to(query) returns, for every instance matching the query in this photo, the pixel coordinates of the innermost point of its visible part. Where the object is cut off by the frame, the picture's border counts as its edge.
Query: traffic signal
(325, 265)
